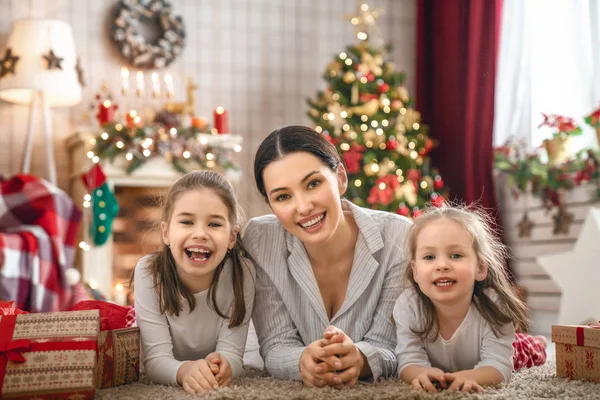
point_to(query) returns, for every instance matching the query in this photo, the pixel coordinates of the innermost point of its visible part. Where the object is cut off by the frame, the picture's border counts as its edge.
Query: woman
(328, 271)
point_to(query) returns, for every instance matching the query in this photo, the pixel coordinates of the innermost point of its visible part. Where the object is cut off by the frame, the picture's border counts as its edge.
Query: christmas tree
(367, 113)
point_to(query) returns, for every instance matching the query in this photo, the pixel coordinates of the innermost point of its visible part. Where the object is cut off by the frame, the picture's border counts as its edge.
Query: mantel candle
(220, 120)
(125, 81)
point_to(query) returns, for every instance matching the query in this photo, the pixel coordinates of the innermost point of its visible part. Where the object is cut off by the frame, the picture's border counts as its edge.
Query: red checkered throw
(38, 234)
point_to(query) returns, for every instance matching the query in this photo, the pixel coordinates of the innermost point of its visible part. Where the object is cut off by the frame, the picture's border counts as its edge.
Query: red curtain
(456, 69)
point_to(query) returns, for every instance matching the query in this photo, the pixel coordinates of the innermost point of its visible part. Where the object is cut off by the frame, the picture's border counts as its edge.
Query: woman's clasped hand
(333, 360)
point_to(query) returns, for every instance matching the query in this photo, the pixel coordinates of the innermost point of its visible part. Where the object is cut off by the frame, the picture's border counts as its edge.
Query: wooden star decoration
(562, 221)
(80, 76)
(576, 273)
(525, 226)
(365, 18)
(8, 63)
(53, 60)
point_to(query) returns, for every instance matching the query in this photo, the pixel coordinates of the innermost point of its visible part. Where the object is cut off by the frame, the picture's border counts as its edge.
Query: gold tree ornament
(562, 221)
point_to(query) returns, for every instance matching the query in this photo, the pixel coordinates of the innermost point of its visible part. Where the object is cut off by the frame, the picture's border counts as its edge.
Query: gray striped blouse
(288, 309)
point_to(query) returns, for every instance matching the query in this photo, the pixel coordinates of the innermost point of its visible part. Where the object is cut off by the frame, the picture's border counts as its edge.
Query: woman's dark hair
(292, 139)
(163, 269)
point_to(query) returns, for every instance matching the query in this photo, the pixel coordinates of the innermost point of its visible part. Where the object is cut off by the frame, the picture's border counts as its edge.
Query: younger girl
(456, 324)
(193, 299)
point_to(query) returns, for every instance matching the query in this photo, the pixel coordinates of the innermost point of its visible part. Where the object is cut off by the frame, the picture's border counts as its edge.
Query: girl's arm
(157, 347)
(497, 353)
(410, 349)
(232, 341)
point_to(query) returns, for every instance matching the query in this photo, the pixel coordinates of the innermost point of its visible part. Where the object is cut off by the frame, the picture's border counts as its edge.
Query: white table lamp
(44, 75)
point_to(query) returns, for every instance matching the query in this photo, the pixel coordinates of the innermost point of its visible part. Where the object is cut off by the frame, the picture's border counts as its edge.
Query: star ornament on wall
(577, 273)
(53, 60)
(8, 63)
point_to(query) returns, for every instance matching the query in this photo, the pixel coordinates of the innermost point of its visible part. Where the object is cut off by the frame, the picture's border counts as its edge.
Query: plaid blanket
(38, 233)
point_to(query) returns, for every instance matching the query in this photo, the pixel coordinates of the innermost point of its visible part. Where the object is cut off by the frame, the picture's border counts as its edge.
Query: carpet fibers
(536, 383)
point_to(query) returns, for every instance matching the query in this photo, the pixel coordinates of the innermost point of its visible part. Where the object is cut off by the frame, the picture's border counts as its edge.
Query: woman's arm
(280, 343)
(157, 346)
(378, 343)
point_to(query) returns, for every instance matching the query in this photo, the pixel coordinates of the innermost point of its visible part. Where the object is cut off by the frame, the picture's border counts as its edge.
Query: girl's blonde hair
(491, 253)
(162, 266)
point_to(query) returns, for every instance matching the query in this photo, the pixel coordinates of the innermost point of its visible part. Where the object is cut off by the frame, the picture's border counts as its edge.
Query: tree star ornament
(576, 273)
(562, 221)
(365, 20)
(8, 63)
(53, 60)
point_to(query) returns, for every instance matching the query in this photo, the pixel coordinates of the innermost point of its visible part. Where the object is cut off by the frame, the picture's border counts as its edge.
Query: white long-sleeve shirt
(168, 341)
(473, 345)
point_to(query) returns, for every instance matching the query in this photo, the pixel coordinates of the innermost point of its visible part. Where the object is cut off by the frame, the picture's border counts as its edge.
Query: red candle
(220, 117)
(106, 112)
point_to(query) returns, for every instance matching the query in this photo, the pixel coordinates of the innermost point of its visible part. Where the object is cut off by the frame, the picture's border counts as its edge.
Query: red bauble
(416, 212)
(383, 88)
(403, 210)
(436, 200)
(391, 145)
(370, 77)
(438, 183)
(413, 175)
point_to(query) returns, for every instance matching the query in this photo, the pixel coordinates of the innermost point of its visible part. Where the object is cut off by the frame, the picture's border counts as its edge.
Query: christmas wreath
(133, 46)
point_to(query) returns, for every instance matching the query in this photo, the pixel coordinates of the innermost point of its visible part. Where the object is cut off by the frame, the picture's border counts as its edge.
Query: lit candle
(125, 81)
(155, 85)
(169, 85)
(220, 120)
(140, 83)
(120, 295)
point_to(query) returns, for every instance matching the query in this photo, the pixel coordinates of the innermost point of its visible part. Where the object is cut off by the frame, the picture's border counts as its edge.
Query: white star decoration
(577, 273)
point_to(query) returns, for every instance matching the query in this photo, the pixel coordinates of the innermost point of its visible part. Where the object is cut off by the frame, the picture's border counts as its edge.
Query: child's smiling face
(446, 265)
(199, 234)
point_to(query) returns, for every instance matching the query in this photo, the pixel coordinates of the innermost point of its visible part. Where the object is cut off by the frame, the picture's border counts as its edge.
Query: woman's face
(304, 194)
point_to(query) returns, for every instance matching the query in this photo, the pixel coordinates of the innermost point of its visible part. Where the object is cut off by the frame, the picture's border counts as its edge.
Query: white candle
(125, 81)
(155, 85)
(120, 295)
(169, 84)
(140, 83)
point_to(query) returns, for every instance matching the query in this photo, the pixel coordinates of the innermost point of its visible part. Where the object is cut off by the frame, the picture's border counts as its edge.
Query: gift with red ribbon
(577, 351)
(34, 346)
(118, 344)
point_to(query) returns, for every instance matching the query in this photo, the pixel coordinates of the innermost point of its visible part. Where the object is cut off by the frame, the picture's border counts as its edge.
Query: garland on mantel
(186, 148)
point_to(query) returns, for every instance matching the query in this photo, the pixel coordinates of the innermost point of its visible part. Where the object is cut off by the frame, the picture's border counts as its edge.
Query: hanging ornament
(525, 226)
(403, 210)
(8, 63)
(53, 60)
(80, 76)
(562, 221)
(349, 77)
(104, 205)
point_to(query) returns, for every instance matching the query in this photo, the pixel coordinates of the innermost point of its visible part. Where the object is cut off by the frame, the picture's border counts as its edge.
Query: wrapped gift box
(577, 352)
(49, 355)
(118, 357)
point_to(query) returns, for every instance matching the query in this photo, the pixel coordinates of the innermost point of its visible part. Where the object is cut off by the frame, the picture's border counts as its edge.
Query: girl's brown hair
(490, 253)
(162, 267)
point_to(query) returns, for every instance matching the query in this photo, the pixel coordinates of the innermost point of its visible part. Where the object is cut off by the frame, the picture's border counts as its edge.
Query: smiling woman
(328, 272)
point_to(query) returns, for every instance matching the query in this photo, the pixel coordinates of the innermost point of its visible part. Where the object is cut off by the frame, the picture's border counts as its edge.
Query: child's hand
(221, 368)
(196, 377)
(462, 383)
(431, 380)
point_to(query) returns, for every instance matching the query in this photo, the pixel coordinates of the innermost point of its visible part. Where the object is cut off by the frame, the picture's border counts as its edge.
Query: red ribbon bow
(14, 349)
(579, 335)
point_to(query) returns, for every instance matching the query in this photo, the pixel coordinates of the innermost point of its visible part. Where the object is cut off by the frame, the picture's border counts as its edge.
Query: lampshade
(31, 40)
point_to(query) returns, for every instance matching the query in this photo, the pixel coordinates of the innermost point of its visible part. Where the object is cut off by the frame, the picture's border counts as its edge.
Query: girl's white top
(473, 345)
(168, 341)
